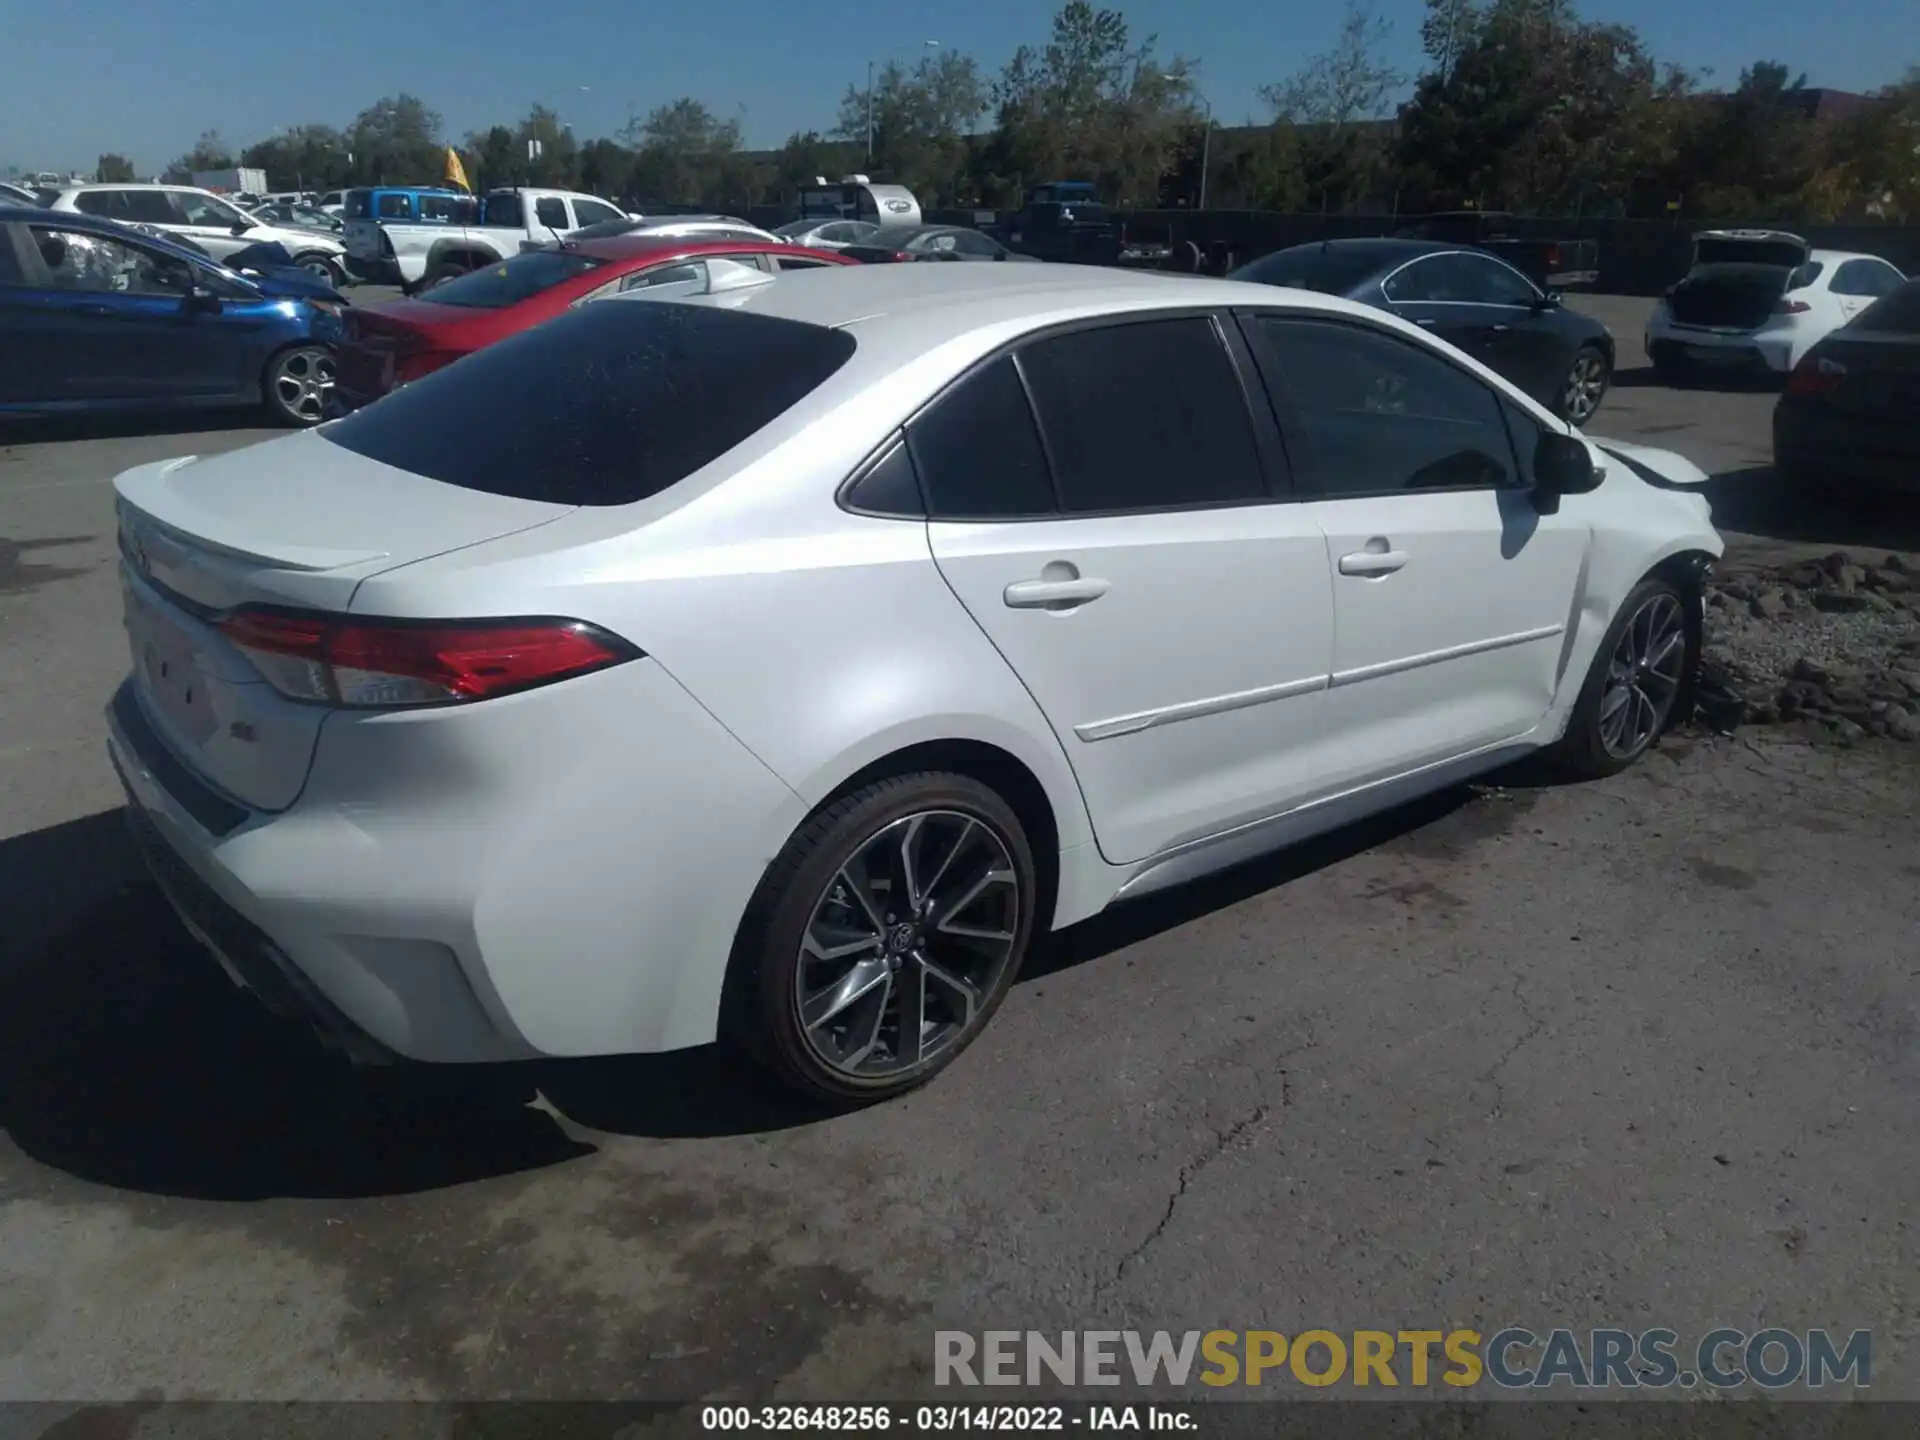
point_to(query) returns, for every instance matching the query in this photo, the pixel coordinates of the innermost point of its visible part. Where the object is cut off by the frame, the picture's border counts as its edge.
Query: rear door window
(506, 210)
(358, 204)
(1144, 416)
(395, 205)
(437, 208)
(607, 405)
(978, 451)
(552, 213)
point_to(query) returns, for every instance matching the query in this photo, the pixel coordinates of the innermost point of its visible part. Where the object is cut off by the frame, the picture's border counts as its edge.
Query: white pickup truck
(418, 253)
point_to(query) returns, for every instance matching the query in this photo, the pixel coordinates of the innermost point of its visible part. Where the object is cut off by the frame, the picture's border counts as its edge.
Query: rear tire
(296, 384)
(883, 937)
(1633, 692)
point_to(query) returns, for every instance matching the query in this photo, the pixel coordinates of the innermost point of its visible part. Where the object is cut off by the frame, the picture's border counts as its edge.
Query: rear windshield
(1784, 253)
(358, 205)
(1331, 272)
(512, 281)
(1898, 312)
(607, 405)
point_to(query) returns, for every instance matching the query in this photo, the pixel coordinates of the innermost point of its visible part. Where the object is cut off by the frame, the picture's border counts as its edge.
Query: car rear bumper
(1808, 442)
(498, 882)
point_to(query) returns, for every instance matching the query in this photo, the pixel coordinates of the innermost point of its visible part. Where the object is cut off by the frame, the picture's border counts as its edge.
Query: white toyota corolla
(777, 662)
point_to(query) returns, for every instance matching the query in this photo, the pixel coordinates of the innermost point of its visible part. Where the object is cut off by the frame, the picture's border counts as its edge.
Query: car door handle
(1372, 562)
(1426, 322)
(1053, 594)
(99, 312)
(1499, 329)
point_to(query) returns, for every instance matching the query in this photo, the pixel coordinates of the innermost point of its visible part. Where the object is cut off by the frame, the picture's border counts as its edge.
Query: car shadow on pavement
(130, 424)
(1757, 501)
(128, 1059)
(1733, 382)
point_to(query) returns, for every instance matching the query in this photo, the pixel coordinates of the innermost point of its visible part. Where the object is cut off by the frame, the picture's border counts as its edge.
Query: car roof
(900, 312)
(1386, 248)
(647, 243)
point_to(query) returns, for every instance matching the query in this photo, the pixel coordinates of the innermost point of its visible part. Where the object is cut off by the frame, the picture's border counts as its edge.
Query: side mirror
(200, 300)
(1562, 465)
(1549, 301)
(241, 227)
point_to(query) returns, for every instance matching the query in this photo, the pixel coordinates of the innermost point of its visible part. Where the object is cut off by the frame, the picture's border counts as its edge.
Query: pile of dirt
(1832, 645)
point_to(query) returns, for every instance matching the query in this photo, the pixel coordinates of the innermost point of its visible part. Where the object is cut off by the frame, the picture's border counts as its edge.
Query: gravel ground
(1831, 646)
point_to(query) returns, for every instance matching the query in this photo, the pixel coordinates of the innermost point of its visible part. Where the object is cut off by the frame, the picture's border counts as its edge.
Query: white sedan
(1758, 300)
(784, 661)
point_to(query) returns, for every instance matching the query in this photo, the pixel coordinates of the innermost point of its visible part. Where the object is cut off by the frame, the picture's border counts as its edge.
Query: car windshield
(512, 281)
(1897, 313)
(1311, 267)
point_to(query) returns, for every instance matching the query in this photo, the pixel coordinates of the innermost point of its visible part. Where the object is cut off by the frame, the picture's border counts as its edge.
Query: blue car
(96, 316)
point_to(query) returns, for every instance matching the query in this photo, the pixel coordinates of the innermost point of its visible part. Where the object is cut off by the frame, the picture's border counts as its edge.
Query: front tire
(321, 267)
(1585, 385)
(1632, 693)
(297, 384)
(884, 937)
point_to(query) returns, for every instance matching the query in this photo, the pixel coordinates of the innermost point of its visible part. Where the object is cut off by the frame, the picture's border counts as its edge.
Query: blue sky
(145, 77)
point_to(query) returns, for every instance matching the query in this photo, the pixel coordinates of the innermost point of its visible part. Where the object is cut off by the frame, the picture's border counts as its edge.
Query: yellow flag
(456, 172)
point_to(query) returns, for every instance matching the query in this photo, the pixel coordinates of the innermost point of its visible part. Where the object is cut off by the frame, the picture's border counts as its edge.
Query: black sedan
(1479, 303)
(1850, 413)
(928, 242)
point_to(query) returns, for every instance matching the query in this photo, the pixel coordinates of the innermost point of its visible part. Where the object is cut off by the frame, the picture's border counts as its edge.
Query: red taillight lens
(1816, 375)
(385, 664)
(1791, 307)
(1553, 255)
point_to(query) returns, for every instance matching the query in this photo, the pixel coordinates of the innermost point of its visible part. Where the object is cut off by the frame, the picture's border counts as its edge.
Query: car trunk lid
(1878, 374)
(1728, 296)
(376, 339)
(295, 523)
(1750, 247)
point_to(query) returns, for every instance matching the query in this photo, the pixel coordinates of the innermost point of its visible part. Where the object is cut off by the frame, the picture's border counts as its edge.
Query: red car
(385, 346)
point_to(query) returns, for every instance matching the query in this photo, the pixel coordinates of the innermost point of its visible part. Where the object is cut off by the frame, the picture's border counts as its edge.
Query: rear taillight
(1791, 307)
(1816, 375)
(412, 365)
(1553, 255)
(385, 664)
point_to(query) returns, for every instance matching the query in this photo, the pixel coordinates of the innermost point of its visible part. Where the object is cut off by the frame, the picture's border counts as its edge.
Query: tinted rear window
(607, 405)
(1898, 312)
(1331, 272)
(512, 281)
(358, 205)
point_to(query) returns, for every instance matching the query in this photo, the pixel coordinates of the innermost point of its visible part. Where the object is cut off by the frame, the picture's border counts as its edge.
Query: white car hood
(294, 240)
(1657, 467)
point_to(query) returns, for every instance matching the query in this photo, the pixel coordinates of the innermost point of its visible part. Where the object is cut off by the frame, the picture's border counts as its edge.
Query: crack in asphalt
(1535, 1024)
(1223, 1141)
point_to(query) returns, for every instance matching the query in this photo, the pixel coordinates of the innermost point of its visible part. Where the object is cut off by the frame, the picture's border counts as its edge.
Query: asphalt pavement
(1635, 1053)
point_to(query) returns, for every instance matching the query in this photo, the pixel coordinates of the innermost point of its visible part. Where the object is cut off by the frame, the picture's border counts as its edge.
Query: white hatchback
(782, 661)
(1758, 300)
(205, 220)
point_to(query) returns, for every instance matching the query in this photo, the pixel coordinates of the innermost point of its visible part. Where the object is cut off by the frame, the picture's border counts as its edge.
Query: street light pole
(1206, 150)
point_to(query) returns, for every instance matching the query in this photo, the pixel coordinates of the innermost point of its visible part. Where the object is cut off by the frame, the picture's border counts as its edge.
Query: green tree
(113, 169)
(685, 154)
(209, 152)
(303, 157)
(557, 163)
(603, 167)
(397, 141)
(1090, 104)
(921, 121)
(1872, 159)
(496, 159)
(1755, 152)
(1540, 111)
(1333, 104)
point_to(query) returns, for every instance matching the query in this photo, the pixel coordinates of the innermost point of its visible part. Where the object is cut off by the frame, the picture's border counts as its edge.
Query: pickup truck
(1550, 264)
(478, 233)
(1063, 221)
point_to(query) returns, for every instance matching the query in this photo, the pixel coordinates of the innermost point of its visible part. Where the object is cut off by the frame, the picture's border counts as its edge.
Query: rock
(1898, 562)
(1885, 604)
(1720, 600)
(1806, 577)
(1843, 602)
(1902, 724)
(1836, 562)
(1800, 698)
(1811, 670)
(1850, 578)
(1768, 605)
(1738, 589)
(1908, 678)
(1883, 579)
(1848, 733)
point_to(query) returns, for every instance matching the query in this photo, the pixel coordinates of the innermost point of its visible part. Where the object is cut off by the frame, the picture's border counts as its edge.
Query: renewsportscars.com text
(1513, 1358)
